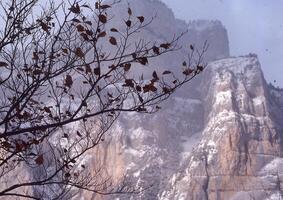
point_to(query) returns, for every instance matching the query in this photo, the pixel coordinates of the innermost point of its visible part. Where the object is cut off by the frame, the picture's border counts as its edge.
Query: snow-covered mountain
(224, 144)
(218, 138)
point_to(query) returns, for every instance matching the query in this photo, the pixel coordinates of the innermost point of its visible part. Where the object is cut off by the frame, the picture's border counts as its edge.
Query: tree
(66, 75)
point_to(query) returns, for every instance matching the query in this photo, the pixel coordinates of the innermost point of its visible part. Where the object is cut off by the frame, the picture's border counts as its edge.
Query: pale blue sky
(253, 26)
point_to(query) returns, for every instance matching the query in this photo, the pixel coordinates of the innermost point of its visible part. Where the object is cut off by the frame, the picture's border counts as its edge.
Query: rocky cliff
(224, 143)
(219, 138)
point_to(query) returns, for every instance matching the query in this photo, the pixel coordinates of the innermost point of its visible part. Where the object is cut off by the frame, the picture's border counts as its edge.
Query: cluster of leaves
(65, 78)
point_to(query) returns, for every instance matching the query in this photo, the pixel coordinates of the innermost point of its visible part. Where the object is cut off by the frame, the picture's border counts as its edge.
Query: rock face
(239, 154)
(223, 143)
(220, 138)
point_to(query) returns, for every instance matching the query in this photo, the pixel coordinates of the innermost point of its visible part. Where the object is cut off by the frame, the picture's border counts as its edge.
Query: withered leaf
(85, 36)
(141, 19)
(188, 71)
(149, 87)
(89, 32)
(96, 71)
(87, 69)
(68, 81)
(114, 30)
(138, 88)
(128, 23)
(44, 26)
(88, 22)
(80, 28)
(79, 52)
(113, 41)
(39, 160)
(79, 134)
(166, 72)
(134, 55)
(165, 45)
(46, 109)
(200, 68)
(127, 66)
(102, 18)
(141, 99)
(102, 34)
(80, 69)
(104, 6)
(129, 83)
(65, 50)
(143, 60)
(154, 75)
(75, 9)
(166, 90)
(37, 72)
(155, 50)
(3, 64)
(130, 11)
(76, 20)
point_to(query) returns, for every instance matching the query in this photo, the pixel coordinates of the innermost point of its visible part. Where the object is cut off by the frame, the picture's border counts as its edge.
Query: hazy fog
(253, 26)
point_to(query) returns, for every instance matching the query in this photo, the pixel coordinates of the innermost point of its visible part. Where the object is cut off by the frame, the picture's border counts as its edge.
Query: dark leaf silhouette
(85, 36)
(102, 18)
(68, 81)
(88, 22)
(79, 52)
(188, 71)
(89, 32)
(130, 11)
(79, 134)
(114, 30)
(39, 160)
(165, 45)
(104, 6)
(80, 28)
(155, 50)
(3, 64)
(96, 71)
(140, 98)
(134, 55)
(102, 34)
(129, 83)
(128, 23)
(141, 19)
(87, 69)
(76, 20)
(113, 41)
(46, 109)
(154, 75)
(44, 26)
(166, 90)
(127, 66)
(166, 72)
(149, 88)
(65, 50)
(75, 9)
(138, 88)
(200, 68)
(143, 60)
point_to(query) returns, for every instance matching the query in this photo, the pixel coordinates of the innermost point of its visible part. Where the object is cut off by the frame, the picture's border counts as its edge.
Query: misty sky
(254, 26)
